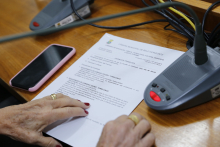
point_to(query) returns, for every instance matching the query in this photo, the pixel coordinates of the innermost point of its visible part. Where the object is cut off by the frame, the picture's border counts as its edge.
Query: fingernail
(58, 146)
(78, 100)
(87, 104)
(86, 112)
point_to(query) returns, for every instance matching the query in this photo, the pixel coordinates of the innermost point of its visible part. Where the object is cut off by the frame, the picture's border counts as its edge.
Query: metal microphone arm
(199, 41)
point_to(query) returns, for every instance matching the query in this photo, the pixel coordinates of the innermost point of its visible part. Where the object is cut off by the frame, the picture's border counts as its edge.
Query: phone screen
(40, 67)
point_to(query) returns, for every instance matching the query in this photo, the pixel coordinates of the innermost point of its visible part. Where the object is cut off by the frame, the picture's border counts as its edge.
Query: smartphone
(41, 68)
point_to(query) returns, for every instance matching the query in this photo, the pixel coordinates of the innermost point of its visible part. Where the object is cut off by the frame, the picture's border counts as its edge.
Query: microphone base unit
(58, 13)
(184, 84)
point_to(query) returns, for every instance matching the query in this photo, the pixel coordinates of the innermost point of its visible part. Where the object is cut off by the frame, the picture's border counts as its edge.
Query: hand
(25, 122)
(122, 132)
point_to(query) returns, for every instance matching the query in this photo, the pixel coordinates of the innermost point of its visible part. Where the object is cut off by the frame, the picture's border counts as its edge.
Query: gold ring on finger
(134, 118)
(53, 96)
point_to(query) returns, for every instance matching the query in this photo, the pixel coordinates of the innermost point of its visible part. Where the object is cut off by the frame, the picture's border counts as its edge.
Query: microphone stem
(199, 41)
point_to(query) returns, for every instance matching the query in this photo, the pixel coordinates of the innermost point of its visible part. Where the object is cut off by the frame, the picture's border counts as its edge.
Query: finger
(125, 121)
(121, 118)
(48, 142)
(67, 112)
(148, 140)
(58, 96)
(142, 128)
(140, 117)
(69, 102)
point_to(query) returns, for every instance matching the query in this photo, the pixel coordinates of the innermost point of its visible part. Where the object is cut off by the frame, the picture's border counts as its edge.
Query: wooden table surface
(195, 127)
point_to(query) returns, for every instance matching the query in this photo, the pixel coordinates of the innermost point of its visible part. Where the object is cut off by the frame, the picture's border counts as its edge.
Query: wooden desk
(195, 127)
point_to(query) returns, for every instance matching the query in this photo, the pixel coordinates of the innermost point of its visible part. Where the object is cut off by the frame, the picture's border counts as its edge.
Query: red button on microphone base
(155, 97)
(36, 24)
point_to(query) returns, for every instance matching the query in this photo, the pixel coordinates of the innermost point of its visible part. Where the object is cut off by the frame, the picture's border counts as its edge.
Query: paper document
(112, 77)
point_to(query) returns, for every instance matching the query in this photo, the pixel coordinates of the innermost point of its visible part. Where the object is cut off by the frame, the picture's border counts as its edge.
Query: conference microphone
(59, 13)
(189, 81)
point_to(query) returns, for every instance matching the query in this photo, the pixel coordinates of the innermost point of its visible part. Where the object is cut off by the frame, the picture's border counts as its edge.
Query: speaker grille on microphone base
(183, 73)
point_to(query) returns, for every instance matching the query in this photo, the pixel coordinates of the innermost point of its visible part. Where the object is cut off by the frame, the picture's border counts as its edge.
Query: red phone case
(47, 76)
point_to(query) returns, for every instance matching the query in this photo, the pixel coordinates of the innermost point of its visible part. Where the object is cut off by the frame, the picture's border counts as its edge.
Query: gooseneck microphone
(200, 47)
(191, 80)
(81, 23)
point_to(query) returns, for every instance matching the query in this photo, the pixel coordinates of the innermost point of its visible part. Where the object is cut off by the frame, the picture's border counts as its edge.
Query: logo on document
(110, 41)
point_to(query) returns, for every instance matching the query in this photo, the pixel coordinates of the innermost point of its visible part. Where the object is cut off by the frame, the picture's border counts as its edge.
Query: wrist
(3, 122)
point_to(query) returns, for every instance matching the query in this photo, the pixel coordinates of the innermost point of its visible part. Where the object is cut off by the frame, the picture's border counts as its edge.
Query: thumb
(48, 142)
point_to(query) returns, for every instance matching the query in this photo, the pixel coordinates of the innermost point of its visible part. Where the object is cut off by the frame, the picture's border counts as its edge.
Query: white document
(112, 77)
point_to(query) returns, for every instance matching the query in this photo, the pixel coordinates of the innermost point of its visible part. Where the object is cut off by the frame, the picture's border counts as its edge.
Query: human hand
(25, 122)
(122, 132)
